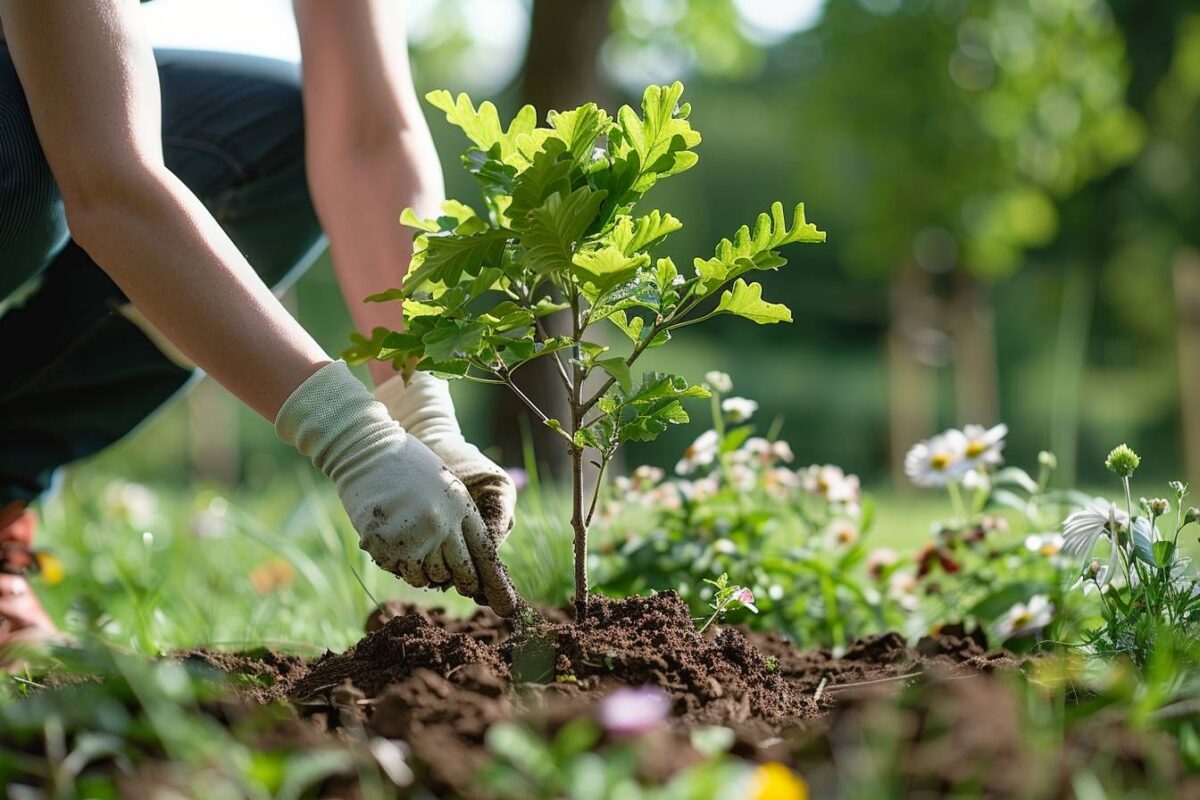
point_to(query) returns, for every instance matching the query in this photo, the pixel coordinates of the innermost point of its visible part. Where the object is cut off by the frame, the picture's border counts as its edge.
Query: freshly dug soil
(439, 683)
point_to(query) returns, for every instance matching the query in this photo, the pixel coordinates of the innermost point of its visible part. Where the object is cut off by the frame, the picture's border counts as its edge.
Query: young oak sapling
(559, 235)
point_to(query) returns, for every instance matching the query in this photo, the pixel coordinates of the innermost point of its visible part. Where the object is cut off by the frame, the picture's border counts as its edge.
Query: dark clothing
(77, 374)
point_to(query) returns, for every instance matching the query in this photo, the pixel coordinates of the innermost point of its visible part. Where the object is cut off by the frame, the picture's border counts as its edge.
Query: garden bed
(439, 683)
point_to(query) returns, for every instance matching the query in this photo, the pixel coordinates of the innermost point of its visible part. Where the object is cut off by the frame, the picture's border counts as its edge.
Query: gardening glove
(413, 517)
(422, 405)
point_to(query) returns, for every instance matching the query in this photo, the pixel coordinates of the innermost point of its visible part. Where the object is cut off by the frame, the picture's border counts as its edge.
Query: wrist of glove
(413, 516)
(423, 407)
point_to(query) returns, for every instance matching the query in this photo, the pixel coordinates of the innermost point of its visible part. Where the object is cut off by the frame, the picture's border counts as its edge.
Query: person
(147, 200)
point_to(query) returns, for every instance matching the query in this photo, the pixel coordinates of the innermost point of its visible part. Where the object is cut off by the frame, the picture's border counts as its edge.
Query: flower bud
(1048, 460)
(1179, 489)
(1122, 461)
(1191, 515)
(1158, 506)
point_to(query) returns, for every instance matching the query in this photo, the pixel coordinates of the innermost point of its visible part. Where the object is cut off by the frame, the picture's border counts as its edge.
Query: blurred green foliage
(1051, 142)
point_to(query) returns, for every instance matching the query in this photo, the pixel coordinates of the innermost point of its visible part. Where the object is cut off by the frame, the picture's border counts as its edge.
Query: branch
(527, 301)
(638, 349)
(507, 381)
(596, 494)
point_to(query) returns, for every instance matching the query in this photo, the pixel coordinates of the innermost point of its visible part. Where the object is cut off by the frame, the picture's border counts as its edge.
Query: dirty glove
(412, 515)
(423, 407)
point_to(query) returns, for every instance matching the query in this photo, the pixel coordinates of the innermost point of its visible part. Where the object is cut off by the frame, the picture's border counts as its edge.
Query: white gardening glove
(412, 515)
(423, 407)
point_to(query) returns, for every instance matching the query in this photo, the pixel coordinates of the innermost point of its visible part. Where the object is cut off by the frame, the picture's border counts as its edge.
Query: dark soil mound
(653, 640)
(393, 652)
(260, 675)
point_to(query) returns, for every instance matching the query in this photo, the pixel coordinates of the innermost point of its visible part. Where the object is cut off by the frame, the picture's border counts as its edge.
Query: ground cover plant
(561, 235)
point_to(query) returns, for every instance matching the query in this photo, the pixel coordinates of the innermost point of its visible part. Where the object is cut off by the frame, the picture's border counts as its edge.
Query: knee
(32, 222)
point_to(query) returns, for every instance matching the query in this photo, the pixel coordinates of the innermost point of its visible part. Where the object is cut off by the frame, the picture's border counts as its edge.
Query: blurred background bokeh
(1010, 189)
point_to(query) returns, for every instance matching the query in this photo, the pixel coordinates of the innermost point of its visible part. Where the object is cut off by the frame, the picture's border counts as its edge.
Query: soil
(439, 683)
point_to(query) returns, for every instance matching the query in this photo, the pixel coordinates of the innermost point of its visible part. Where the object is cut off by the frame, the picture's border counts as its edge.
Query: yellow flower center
(976, 449)
(1049, 549)
(941, 461)
(1021, 621)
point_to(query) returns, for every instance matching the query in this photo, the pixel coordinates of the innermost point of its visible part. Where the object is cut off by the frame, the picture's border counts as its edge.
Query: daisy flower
(938, 460)
(1046, 544)
(700, 454)
(841, 533)
(983, 445)
(1025, 618)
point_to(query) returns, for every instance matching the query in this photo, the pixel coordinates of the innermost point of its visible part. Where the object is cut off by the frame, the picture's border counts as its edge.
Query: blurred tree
(949, 130)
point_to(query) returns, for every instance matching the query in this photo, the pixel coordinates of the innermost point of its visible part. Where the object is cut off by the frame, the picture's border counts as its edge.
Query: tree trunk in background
(912, 389)
(561, 71)
(1070, 359)
(1187, 298)
(972, 325)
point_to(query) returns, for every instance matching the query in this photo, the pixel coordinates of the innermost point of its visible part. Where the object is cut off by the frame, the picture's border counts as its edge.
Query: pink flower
(628, 712)
(746, 598)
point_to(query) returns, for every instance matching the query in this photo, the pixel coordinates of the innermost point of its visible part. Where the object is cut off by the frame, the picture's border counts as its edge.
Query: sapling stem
(578, 524)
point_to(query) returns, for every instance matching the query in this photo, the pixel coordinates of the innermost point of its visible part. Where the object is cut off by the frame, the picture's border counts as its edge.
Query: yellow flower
(776, 782)
(51, 568)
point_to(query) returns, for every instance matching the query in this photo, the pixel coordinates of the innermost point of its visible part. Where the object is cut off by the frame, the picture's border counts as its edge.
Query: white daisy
(983, 445)
(700, 454)
(938, 460)
(1046, 544)
(738, 409)
(1027, 617)
(841, 534)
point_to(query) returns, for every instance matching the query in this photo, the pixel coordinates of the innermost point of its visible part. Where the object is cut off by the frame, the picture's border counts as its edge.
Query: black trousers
(75, 374)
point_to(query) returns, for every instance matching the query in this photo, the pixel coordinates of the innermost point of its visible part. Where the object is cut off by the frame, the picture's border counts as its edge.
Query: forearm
(370, 153)
(359, 196)
(162, 248)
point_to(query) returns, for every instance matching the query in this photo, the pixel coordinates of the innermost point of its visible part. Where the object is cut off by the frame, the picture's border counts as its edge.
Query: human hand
(413, 515)
(423, 407)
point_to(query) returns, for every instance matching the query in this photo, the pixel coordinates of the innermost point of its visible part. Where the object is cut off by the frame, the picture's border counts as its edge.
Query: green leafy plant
(797, 538)
(1148, 589)
(559, 235)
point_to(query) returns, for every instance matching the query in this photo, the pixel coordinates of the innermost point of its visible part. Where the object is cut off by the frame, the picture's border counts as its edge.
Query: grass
(159, 567)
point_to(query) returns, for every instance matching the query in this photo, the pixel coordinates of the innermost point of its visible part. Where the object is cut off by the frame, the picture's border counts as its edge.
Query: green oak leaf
(579, 129)
(482, 126)
(553, 230)
(445, 259)
(606, 267)
(745, 300)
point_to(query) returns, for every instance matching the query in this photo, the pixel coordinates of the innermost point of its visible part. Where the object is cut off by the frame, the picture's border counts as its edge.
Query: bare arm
(92, 86)
(370, 154)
